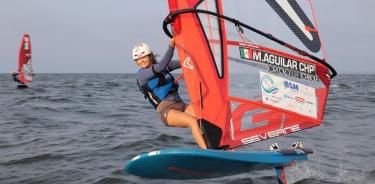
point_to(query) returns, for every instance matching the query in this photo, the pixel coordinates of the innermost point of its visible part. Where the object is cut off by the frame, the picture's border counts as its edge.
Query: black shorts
(166, 105)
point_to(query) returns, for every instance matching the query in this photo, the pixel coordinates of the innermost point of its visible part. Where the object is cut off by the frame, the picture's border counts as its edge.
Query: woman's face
(144, 62)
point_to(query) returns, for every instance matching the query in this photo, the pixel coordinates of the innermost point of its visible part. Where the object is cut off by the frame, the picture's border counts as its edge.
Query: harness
(158, 88)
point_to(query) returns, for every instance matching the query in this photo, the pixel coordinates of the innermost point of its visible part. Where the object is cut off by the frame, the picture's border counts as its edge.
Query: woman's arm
(174, 64)
(165, 60)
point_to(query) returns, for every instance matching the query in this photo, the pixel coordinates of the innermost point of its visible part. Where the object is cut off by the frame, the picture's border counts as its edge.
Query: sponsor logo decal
(187, 63)
(26, 43)
(26, 46)
(281, 65)
(292, 73)
(300, 99)
(289, 95)
(291, 85)
(268, 85)
(271, 134)
(152, 153)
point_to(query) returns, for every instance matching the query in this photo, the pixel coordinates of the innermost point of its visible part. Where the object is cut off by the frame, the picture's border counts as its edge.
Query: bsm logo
(291, 85)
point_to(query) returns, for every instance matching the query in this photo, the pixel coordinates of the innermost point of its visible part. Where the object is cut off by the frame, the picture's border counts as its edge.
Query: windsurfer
(158, 86)
(15, 77)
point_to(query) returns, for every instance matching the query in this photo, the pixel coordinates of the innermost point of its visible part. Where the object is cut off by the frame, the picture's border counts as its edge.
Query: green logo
(268, 85)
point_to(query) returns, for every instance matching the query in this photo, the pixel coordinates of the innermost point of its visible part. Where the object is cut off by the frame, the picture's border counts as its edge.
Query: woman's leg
(190, 110)
(181, 119)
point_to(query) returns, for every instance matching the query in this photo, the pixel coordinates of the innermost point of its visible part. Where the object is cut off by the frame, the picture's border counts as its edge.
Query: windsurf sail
(25, 69)
(271, 48)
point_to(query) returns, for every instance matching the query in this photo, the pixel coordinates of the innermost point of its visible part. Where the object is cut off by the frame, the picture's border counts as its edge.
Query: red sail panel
(207, 90)
(24, 60)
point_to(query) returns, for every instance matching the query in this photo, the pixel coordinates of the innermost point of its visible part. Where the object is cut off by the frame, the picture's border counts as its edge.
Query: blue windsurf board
(199, 164)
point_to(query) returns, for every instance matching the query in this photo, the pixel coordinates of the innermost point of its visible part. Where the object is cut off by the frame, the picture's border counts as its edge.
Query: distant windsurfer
(15, 76)
(158, 86)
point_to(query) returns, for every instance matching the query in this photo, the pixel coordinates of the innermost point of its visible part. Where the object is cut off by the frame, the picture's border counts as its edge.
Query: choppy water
(82, 128)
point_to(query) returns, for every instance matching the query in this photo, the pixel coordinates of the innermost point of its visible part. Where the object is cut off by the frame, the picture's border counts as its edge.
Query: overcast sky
(96, 36)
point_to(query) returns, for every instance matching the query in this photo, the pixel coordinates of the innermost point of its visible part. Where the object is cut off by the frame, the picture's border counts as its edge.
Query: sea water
(82, 128)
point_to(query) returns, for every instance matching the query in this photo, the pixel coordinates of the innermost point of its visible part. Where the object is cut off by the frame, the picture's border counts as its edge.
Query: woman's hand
(172, 42)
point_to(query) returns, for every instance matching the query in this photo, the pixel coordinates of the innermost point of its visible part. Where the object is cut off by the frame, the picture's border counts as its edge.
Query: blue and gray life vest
(158, 88)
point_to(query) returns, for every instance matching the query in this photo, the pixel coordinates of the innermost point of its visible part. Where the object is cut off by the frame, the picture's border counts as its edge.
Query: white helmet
(141, 50)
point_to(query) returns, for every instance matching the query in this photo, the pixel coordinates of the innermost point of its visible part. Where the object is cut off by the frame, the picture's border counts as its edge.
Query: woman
(158, 86)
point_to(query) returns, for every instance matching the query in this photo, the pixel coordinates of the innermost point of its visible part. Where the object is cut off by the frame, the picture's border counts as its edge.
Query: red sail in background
(24, 60)
(287, 87)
